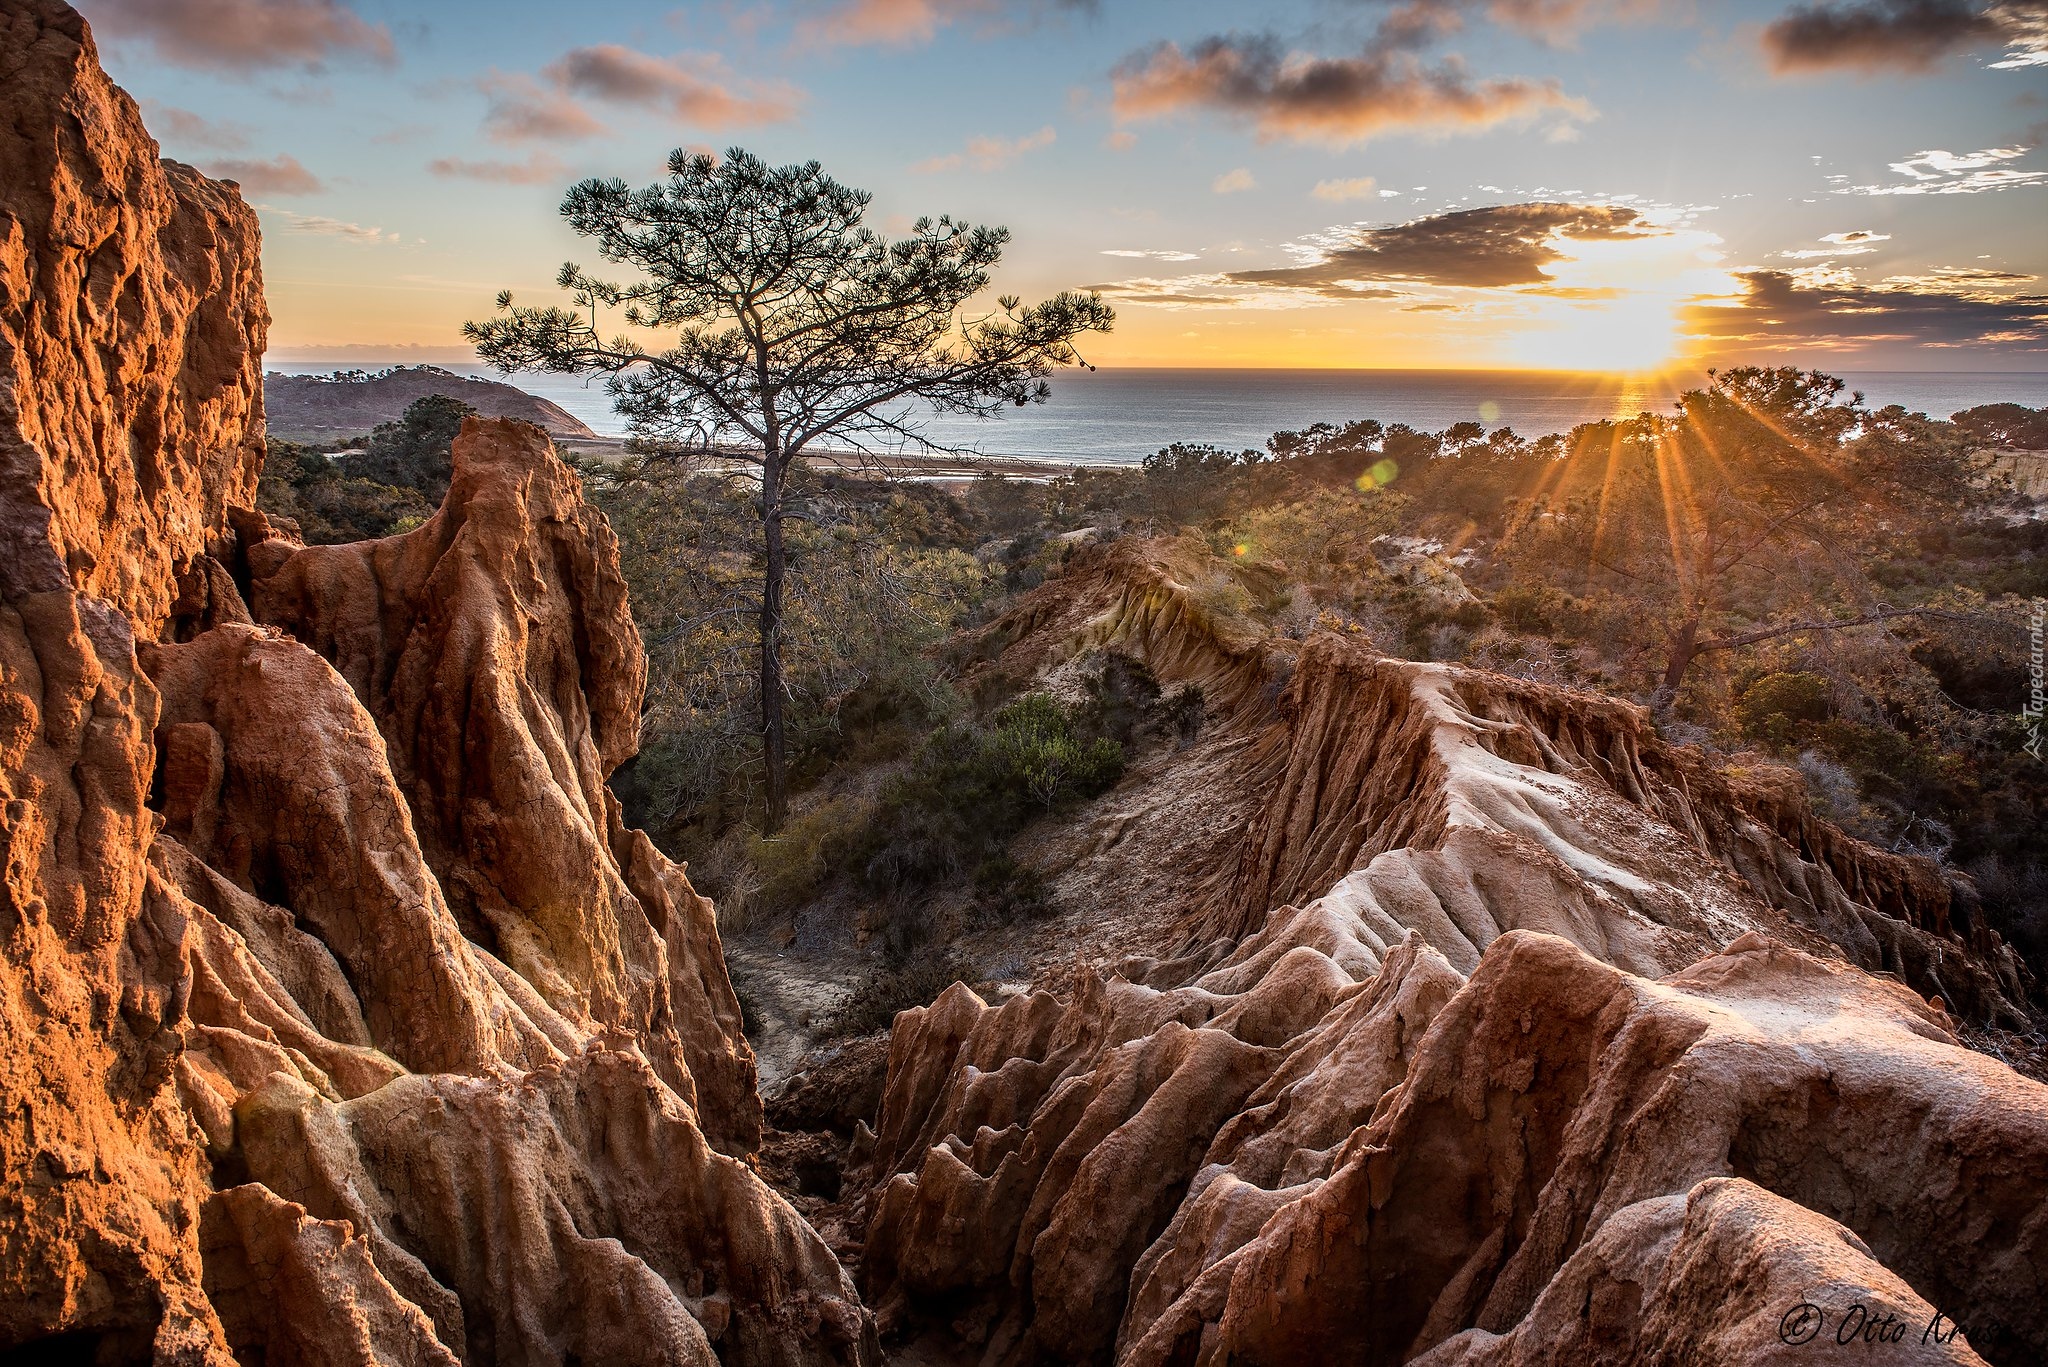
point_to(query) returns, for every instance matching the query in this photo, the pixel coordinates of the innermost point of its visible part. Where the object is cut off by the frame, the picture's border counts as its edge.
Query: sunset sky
(1437, 183)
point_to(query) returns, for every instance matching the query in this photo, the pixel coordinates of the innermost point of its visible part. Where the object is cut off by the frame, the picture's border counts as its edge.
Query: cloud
(1794, 311)
(1857, 243)
(1871, 36)
(1156, 256)
(521, 109)
(1339, 100)
(1337, 191)
(1936, 164)
(1547, 20)
(321, 226)
(1503, 246)
(696, 89)
(989, 154)
(906, 23)
(245, 35)
(1234, 182)
(1975, 282)
(1950, 173)
(693, 88)
(281, 175)
(187, 129)
(538, 168)
(1121, 140)
(1213, 291)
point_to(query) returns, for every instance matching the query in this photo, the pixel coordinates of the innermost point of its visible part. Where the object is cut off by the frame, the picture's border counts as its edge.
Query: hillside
(316, 408)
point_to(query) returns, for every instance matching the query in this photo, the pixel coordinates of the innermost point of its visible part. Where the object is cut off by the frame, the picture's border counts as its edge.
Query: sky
(1429, 184)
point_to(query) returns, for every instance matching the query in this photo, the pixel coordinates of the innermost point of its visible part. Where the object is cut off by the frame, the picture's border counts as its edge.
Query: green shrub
(1037, 747)
(1527, 608)
(1007, 892)
(1777, 705)
(972, 787)
(793, 864)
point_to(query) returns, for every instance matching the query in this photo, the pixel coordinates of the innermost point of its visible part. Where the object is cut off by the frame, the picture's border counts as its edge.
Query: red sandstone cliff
(346, 1021)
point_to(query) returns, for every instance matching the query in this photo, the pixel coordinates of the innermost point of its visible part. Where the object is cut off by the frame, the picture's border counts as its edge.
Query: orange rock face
(131, 334)
(346, 1021)
(131, 320)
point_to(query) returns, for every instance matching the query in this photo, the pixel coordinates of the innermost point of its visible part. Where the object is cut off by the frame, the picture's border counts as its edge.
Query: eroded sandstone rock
(1507, 1033)
(130, 321)
(346, 1021)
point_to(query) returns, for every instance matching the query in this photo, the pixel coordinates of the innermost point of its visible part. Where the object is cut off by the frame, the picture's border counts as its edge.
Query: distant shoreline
(1117, 417)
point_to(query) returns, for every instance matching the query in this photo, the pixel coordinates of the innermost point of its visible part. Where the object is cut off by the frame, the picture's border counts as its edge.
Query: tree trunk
(774, 761)
(1684, 650)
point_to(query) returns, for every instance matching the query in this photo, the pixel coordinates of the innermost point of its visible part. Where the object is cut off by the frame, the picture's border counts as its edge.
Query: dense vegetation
(387, 482)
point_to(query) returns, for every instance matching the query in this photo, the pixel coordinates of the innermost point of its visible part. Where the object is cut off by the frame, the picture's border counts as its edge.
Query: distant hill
(351, 402)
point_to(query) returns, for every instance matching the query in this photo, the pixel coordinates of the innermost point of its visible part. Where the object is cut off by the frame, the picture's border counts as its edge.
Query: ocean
(1118, 417)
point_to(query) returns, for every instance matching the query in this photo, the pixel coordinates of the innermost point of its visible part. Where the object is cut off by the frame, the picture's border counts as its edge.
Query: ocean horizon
(1120, 416)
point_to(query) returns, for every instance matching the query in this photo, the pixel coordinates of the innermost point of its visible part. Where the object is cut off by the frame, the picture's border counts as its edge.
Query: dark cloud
(1329, 99)
(281, 175)
(696, 90)
(1903, 35)
(1500, 246)
(245, 35)
(1783, 311)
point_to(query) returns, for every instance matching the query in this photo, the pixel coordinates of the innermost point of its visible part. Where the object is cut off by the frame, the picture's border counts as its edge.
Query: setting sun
(1618, 305)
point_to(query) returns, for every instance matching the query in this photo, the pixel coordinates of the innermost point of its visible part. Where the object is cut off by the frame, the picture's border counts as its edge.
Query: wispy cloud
(320, 225)
(246, 35)
(1338, 191)
(907, 23)
(1153, 255)
(183, 128)
(520, 109)
(989, 154)
(1234, 182)
(536, 169)
(281, 175)
(1949, 173)
(1212, 291)
(1855, 243)
(695, 88)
